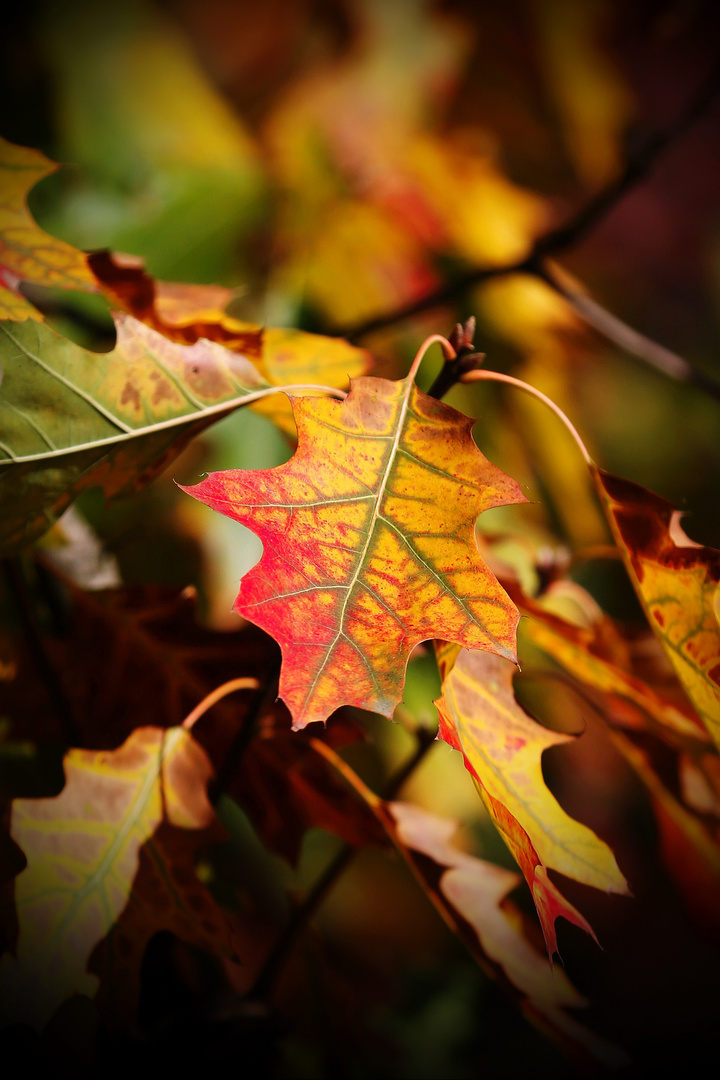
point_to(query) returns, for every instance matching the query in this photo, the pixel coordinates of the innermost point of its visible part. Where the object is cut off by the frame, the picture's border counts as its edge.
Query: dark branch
(566, 236)
(629, 339)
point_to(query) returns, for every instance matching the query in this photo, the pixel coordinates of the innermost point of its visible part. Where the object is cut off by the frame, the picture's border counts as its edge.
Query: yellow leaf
(83, 850)
(503, 747)
(26, 251)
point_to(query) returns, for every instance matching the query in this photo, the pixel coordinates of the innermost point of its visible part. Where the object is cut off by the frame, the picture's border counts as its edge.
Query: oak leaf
(83, 850)
(27, 253)
(185, 313)
(72, 419)
(502, 747)
(471, 895)
(133, 657)
(369, 546)
(677, 583)
(477, 891)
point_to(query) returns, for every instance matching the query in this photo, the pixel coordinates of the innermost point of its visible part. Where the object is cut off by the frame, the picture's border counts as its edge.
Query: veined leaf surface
(369, 546)
(185, 313)
(27, 253)
(72, 419)
(502, 747)
(572, 647)
(677, 582)
(83, 850)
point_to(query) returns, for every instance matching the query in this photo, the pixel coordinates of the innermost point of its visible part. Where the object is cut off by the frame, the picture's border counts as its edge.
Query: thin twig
(265, 695)
(279, 955)
(629, 339)
(566, 236)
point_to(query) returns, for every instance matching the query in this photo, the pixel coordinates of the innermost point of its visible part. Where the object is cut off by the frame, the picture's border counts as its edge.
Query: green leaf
(71, 419)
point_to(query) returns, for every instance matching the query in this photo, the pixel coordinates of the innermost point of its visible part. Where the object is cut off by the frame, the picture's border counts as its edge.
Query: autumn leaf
(471, 895)
(185, 313)
(677, 581)
(369, 545)
(502, 747)
(576, 650)
(83, 850)
(27, 253)
(72, 419)
(154, 661)
(477, 891)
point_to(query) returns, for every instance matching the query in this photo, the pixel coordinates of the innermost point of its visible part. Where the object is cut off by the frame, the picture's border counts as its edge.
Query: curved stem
(496, 376)
(448, 352)
(333, 391)
(216, 695)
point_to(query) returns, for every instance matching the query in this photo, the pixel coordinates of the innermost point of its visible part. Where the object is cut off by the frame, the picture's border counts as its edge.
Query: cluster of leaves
(373, 558)
(369, 547)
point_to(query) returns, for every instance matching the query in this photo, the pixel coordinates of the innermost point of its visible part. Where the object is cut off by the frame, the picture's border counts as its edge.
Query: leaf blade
(71, 419)
(677, 583)
(502, 747)
(83, 849)
(369, 546)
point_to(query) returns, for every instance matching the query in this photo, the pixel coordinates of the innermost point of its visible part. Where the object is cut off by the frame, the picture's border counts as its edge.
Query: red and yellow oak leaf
(83, 850)
(369, 545)
(676, 581)
(502, 747)
(27, 253)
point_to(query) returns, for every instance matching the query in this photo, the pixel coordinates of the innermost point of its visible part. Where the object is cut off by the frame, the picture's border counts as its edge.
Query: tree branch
(565, 237)
(274, 965)
(629, 339)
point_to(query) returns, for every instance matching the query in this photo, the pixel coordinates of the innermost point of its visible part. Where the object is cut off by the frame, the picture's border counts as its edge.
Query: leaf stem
(265, 694)
(448, 352)
(498, 376)
(216, 695)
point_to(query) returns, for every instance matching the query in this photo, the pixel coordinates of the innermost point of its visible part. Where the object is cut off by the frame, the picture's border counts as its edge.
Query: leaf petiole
(497, 376)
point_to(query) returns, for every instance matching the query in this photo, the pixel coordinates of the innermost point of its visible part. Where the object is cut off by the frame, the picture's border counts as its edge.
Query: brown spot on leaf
(130, 396)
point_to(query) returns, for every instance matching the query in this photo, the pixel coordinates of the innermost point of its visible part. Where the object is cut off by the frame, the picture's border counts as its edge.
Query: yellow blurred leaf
(27, 253)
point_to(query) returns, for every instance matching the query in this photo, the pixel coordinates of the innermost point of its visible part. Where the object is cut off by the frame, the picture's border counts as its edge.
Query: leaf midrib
(168, 744)
(359, 566)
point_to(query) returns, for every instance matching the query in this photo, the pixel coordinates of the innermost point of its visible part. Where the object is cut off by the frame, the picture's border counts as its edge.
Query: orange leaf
(574, 648)
(677, 581)
(83, 850)
(502, 747)
(369, 545)
(27, 253)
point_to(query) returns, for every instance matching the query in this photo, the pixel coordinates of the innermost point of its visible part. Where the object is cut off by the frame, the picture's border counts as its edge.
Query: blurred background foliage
(332, 161)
